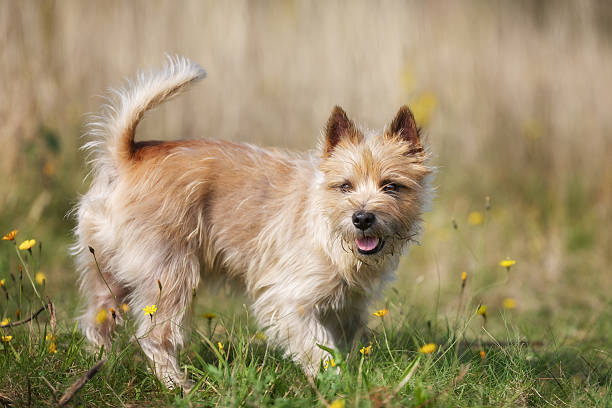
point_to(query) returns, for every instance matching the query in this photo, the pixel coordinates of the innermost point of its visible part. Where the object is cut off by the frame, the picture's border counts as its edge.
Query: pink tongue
(367, 244)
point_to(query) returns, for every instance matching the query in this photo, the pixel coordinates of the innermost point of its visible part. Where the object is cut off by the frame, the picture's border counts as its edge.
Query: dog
(312, 238)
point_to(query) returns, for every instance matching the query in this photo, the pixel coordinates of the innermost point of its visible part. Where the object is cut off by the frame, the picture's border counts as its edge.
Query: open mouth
(369, 245)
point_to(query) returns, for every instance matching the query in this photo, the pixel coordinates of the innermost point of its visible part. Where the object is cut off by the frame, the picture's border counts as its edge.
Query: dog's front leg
(299, 332)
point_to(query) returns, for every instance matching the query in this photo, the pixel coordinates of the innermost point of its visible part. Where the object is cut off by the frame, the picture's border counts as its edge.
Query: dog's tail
(112, 132)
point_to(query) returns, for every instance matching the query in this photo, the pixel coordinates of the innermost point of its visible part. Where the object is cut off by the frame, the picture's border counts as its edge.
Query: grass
(514, 98)
(481, 359)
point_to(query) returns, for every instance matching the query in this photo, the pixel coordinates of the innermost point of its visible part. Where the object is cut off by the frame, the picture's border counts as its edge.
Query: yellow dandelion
(381, 312)
(482, 310)
(125, 308)
(483, 354)
(10, 236)
(49, 337)
(150, 310)
(5, 321)
(463, 276)
(220, 345)
(509, 303)
(2, 283)
(101, 316)
(209, 316)
(507, 263)
(331, 362)
(366, 350)
(27, 244)
(338, 403)
(428, 348)
(52, 348)
(6, 339)
(475, 218)
(40, 278)
(423, 108)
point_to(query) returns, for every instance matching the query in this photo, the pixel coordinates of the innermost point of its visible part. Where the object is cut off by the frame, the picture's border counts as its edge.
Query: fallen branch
(33, 316)
(78, 384)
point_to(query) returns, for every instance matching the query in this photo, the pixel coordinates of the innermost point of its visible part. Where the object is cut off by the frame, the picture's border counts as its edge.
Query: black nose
(363, 220)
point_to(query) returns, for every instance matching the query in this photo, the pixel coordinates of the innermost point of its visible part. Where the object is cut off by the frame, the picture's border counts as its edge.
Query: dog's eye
(346, 187)
(390, 188)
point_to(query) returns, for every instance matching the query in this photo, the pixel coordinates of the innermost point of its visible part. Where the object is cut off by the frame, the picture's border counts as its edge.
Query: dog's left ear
(404, 126)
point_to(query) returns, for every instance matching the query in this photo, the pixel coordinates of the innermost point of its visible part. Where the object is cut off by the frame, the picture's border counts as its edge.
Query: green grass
(524, 364)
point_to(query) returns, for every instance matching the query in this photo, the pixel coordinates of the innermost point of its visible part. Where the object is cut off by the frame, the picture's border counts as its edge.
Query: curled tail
(112, 132)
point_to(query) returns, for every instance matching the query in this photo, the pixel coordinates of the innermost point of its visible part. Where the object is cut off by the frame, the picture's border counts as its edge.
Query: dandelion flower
(220, 345)
(381, 312)
(507, 263)
(509, 303)
(428, 348)
(423, 108)
(40, 278)
(52, 348)
(101, 316)
(338, 403)
(209, 316)
(475, 218)
(27, 244)
(482, 310)
(49, 337)
(463, 276)
(150, 310)
(6, 339)
(483, 354)
(5, 321)
(2, 282)
(366, 350)
(125, 308)
(10, 236)
(329, 363)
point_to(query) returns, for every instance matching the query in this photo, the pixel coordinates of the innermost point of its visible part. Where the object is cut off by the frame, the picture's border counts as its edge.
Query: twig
(53, 318)
(53, 390)
(20, 322)
(78, 384)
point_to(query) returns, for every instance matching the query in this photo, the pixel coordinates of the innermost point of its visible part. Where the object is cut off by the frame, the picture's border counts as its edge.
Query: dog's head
(374, 185)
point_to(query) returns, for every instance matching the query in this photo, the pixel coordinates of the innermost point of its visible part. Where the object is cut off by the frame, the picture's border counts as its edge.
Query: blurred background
(513, 96)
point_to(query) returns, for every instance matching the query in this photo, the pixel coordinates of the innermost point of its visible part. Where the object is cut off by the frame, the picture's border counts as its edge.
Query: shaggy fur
(284, 226)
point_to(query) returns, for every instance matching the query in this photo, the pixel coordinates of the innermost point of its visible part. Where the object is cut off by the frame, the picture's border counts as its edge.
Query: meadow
(514, 100)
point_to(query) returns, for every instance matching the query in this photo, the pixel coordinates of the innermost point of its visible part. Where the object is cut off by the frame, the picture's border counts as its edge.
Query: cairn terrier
(311, 237)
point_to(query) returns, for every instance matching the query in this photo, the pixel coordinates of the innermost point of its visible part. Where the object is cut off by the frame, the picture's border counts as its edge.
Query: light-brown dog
(311, 238)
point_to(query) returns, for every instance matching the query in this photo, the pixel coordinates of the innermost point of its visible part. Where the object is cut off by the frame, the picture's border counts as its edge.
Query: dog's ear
(339, 127)
(404, 126)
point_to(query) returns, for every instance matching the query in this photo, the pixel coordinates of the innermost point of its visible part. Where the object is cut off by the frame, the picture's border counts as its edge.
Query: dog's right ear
(339, 127)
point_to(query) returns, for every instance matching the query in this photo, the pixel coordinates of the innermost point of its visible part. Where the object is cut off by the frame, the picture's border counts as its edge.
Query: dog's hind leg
(96, 320)
(170, 287)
